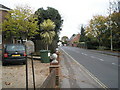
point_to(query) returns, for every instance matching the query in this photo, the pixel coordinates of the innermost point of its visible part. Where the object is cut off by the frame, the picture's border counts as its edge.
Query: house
(3, 11)
(73, 41)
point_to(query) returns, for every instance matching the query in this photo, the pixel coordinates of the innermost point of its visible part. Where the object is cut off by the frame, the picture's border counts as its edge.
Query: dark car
(14, 53)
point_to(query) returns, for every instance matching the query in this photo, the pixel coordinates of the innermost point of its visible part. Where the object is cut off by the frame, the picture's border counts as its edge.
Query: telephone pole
(119, 6)
(110, 22)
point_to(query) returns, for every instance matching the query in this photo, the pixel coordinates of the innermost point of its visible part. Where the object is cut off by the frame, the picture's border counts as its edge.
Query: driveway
(14, 76)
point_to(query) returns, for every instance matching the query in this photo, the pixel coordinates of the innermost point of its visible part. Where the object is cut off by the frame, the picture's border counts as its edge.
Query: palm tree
(48, 32)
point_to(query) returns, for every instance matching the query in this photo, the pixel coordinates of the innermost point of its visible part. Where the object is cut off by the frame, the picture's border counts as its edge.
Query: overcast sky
(73, 12)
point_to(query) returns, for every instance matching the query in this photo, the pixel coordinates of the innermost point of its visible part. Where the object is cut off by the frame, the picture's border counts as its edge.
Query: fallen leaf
(41, 71)
(7, 83)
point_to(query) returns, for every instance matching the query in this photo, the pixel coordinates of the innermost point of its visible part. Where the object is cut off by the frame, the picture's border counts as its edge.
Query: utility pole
(115, 9)
(110, 25)
(119, 6)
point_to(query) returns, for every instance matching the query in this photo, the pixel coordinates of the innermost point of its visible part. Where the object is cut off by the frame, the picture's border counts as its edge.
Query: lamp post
(111, 37)
(119, 6)
(110, 22)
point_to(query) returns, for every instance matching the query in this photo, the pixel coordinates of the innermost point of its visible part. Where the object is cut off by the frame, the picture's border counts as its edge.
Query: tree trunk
(47, 46)
(21, 40)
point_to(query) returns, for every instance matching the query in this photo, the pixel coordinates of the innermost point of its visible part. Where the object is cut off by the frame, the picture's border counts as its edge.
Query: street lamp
(110, 22)
(119, 6)
(111, 36)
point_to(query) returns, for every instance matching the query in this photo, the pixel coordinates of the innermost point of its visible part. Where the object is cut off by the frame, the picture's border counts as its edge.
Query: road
(103, 67)
(74, 75)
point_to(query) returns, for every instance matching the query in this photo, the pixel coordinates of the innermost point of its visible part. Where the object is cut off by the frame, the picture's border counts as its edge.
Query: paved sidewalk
(74, 75)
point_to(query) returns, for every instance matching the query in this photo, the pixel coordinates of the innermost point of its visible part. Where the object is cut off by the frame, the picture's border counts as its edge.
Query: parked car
(14, 53)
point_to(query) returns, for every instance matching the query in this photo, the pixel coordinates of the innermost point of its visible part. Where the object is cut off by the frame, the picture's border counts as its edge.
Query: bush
(92, 45)
(102, 48)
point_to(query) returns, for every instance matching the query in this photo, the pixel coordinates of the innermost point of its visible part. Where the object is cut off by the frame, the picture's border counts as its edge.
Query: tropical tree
(48, 32)
(20, 23)
(52, 14)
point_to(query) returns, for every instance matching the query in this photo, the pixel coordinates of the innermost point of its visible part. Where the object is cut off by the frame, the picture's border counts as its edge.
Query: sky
(73, 12)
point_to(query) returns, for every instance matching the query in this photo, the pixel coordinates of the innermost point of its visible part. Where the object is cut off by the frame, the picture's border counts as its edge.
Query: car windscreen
(15, 48)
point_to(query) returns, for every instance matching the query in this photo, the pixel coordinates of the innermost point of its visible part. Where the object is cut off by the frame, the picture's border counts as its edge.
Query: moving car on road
(14, 53)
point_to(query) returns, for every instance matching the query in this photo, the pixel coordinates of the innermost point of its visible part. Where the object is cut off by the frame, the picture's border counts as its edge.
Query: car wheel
(3, 63)
(24, 63)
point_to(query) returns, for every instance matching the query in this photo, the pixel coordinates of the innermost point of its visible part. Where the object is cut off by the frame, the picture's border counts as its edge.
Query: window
(15, 48)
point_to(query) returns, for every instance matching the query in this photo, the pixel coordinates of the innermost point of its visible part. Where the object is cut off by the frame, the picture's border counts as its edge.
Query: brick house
(3, 11)
(74, 40)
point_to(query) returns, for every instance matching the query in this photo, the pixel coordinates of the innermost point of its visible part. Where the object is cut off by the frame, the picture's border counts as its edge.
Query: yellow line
(90, 74)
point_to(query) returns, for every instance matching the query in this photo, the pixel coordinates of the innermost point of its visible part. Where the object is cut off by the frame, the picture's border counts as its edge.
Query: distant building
(74, 40)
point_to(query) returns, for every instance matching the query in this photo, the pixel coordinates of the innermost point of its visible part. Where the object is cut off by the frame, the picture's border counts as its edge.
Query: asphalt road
(103, 67)
(74, 75)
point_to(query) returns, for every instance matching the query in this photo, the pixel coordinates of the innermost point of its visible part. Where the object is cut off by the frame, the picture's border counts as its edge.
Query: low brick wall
(50, 82)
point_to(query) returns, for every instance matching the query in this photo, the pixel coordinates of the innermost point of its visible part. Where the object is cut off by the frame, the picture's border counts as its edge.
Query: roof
(2, 7)
(73, 36)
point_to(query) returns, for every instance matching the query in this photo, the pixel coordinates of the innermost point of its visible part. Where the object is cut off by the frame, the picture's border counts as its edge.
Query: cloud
(74, 12)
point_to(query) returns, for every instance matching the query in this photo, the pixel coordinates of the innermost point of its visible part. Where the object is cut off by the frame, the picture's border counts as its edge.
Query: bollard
(55, 65)
(54, 59)
(58, 55)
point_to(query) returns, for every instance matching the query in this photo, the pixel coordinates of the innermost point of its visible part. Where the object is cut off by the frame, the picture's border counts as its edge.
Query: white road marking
(84, 54)
(92, 57)
(101, 59)
(97, 58)
(113, 63)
